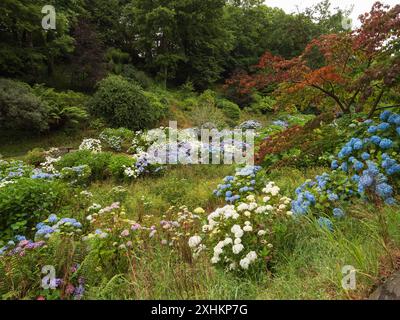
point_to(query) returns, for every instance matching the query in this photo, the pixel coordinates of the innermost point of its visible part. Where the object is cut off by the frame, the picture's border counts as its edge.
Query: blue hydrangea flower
(325, 223)
(334, 165)
(358, 165)
(383, 126)
(333, 196)
(372, 129)
(52, 218)
(338, 213)
(376, 140)
(386, 143)
(385, 115)
(365, 156)
(384, 190)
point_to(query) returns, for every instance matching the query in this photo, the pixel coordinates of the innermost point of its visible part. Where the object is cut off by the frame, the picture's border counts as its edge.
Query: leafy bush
(26, 202)
(207, 111)
(20, 108)
(262, 104)
(123, 103)
(98, 162)
(36, 156)
(65, 108)
(118, 164)
(115, 138)
(76, 175)
(130, 72)
(230, 110)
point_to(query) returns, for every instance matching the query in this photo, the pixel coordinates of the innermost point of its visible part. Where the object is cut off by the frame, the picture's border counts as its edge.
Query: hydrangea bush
(240, 236)
(367, 166)
(245, 182)
(93, 145)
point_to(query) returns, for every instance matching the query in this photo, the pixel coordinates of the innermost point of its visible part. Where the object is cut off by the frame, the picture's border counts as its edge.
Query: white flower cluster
(93, 145)
(48, 165)
(114, 142)
(240, 233)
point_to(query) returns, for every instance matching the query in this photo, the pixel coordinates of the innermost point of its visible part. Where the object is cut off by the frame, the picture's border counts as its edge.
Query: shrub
(20, 108)
(130, 72)
(207, 111)
(115, 138)
(230, 110)
(262, 104)
(65, 108)
(36, 156)
(367, 166)
(241, 236)
(93, 145)
(26, 202)
(123, 103)
(98, 162)
(76, 175)
(118, 164)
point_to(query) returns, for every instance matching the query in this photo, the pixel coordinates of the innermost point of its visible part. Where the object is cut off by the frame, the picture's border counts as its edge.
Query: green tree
(180, 39)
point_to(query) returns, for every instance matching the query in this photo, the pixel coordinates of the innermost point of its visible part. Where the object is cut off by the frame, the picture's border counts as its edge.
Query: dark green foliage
(65, 108)
(28, 201)
(231, 110)
(20, 108)
(124, 104)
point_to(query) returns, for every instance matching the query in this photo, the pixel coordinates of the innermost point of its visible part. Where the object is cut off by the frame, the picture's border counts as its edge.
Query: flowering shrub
(93, 145)
(237, 187)
(250, 124)
(177, 227)
(113, 236)
(372, 160)
(19, 246)
(115, 138)
(324, 194)
(55, 225)
(27, 201)
(367, 166)
(76, 175)
(241, 235)
(13, 170)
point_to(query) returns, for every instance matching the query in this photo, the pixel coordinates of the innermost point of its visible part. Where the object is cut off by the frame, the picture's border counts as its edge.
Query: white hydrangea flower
(194, 241)
(215, 260)
(251, 198)
(261, 209)
(252, 206)
(252, 256)
(228, 241)
(238, 241)
(235, 228)
(237, 248)
(247, 213)
(242, 207)
(261, 233)
(244, 263)
(248, 228)
(266, 199)
(239, 234)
